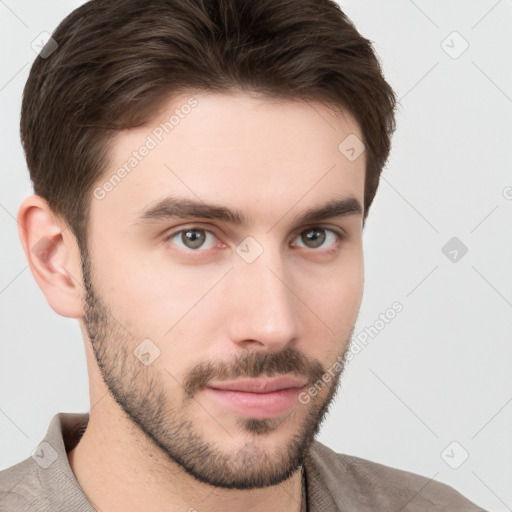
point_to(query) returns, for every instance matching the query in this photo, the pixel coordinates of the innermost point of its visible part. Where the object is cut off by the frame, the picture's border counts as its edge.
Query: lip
(257, 398)
(260, 385)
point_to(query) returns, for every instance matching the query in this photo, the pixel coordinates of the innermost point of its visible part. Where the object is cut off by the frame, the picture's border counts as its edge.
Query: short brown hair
(118, 60)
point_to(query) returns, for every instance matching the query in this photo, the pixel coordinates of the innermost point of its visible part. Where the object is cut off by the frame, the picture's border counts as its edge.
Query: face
(219, 314)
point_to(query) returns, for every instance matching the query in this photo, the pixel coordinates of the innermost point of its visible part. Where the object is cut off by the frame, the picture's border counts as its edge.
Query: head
(215, 163)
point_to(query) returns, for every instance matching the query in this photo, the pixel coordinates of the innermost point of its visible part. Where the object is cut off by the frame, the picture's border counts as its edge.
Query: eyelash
(339, 237)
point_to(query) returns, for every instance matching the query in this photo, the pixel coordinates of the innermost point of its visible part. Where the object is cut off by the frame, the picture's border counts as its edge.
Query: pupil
(316, 236)
(194, 239)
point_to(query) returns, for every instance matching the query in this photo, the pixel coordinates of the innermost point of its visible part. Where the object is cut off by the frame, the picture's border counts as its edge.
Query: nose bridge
(263, 304)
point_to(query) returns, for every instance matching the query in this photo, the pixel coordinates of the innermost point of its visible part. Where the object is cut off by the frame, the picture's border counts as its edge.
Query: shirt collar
(59, 480)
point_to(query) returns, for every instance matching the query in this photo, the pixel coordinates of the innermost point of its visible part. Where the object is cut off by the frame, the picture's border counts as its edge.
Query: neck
(120, 469)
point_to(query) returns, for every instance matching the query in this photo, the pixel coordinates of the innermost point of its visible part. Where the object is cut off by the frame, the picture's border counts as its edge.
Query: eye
(315, 237)
(192, 238)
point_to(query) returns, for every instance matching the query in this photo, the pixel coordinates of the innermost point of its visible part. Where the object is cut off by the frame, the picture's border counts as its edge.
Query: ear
(53, 256)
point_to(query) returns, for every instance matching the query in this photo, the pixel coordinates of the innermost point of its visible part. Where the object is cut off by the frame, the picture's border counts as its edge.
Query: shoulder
(365, 485)
(21, 489)
(44, 481)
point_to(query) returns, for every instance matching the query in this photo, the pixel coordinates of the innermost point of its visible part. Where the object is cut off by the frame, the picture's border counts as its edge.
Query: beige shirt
(45, 482)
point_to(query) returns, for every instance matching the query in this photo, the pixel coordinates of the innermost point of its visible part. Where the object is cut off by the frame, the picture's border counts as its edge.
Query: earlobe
(53, 256)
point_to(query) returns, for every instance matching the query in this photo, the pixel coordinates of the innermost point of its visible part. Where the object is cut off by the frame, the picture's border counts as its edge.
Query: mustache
(253, 365)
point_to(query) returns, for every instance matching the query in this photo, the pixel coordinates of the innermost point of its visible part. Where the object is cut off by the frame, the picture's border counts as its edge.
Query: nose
(263, 303)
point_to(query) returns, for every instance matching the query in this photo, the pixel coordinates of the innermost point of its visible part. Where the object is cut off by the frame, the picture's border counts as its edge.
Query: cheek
(167, 305)
(336, 290)
(146, 292)
(346, 291)
(334, 301)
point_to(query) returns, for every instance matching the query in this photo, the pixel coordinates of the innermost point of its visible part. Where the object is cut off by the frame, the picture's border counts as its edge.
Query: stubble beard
(141, 394)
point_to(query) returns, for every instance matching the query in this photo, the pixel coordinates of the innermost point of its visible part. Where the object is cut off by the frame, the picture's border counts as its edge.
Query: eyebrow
(176, 208)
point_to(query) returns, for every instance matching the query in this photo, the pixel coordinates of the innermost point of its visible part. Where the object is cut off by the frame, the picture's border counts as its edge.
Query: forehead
(260, 156)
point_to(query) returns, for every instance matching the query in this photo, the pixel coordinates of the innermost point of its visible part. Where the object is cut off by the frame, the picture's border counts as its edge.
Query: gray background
(439, 372)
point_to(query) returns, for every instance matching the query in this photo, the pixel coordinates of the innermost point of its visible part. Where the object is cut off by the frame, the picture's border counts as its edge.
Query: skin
(155, 439)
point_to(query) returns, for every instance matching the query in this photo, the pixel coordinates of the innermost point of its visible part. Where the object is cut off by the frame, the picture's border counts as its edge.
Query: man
(202, 175)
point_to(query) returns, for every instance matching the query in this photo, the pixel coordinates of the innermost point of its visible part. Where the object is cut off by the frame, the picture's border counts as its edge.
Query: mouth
(257, 398)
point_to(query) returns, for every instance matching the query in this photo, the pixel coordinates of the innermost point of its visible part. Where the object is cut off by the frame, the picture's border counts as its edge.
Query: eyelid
(169, 235)
(330, 227)
(186, 227)
(337, 231)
